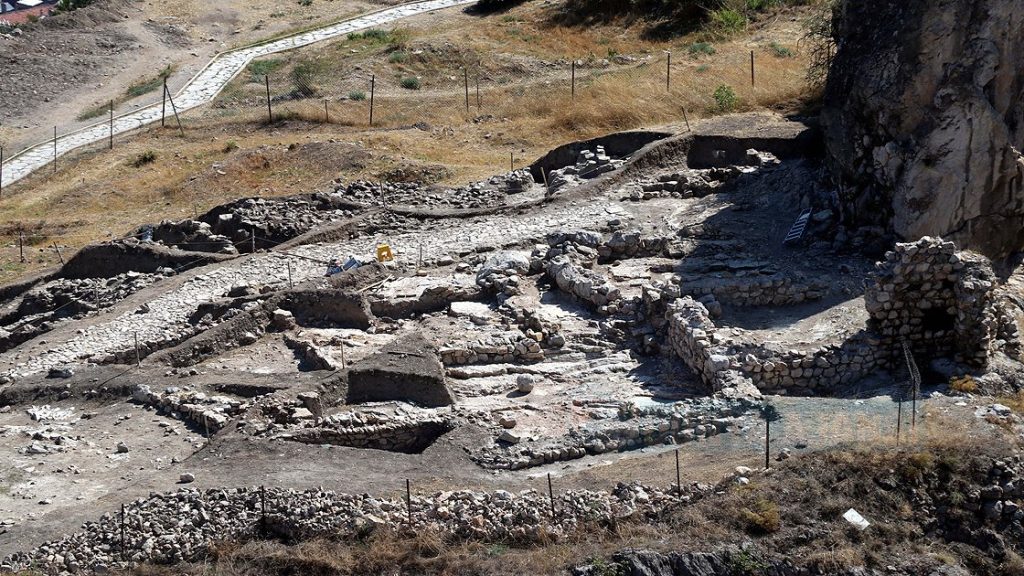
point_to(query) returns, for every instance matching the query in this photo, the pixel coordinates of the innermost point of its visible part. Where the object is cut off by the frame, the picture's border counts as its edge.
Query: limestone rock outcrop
(924, 118)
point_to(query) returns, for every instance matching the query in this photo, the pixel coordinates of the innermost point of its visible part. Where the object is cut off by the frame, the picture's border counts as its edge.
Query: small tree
(725, 98)
(770, 414)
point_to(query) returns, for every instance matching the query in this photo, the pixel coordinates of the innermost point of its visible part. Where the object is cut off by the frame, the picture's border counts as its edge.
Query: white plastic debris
(854, 517)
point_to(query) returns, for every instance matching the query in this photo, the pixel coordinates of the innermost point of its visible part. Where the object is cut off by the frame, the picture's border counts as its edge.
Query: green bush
(230, 146)
(779, 51)
(397, 57)
(728, 21)
(411, 83)
(701, 49)
(304, 77)
(725, 98)
(147, 157)
(305, 2)
(260, 68)
(357, 95)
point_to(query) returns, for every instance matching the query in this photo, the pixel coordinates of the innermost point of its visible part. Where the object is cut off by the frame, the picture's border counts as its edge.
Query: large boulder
(924, 119)
(407, 370)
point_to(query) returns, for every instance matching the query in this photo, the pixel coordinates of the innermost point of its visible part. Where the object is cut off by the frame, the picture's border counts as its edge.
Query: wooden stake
(327, 113)
(687, 120)
(54, 149)
(270, 110)
(21, 245)
(57, 250)
(263, 510)
(111, 124)
(512, 161)
(138, 355)
(767, 438)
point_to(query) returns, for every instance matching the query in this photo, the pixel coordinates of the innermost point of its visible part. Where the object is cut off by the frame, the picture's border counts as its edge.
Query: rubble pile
(494, 191)
(180, 526)
(498, 348)
(697, 183)
(589, 165)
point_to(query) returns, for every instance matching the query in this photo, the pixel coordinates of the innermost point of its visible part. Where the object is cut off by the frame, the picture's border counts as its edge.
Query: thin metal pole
(123, 551)
(175, 110)
(408, 498)
(466, 74)
(57, 250)
(111, 124)
(54, 149)
(1, 171)
(373, 86)
(163, 106)
(687, 120)
(327, 113)
(21, 245)
(138, 355)
(263, 510)
(668, 73)
(752, 68)
(512, 161)
(573, 79)
(767, 439)
(551, 495)
(290, 284)
(679, 482)
(478, 90)
(270, 110)
(899, 418)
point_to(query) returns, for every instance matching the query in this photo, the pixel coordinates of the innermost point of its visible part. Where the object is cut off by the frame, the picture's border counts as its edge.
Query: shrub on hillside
(725, 98)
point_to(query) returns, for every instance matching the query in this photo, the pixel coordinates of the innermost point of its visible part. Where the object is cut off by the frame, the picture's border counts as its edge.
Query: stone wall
(937, 299)
(504, 348)
(410, 435)
(774, 290)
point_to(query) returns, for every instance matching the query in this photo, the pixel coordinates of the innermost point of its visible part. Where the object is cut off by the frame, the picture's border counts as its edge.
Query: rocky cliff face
(924, 119)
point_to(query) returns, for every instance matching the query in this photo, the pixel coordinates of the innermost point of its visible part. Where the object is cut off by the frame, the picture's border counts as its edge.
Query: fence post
(163, 106)
(478, 90)
(668, 73)
(752, 68)
(1, 171)
(175, 110)
(21, 245)
(263, 510)
(373, 86)
(327, 113)
(899, 416)
(551, 496)
(138, 355)
(465, 73)
(408, 498)
(111, 124)
(686, 119)
(574, 79)
(270, 110)
(679, 482)
(123, 551)
(54, 149)
(289, 262)
(57, 250)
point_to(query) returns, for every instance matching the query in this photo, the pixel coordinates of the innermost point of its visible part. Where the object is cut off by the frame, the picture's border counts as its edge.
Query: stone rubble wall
(373, 431)
(181, 526)
(582, 283)
(208, 413)
(690, 333)
(504, 348)
(937, 299)
(774, 290)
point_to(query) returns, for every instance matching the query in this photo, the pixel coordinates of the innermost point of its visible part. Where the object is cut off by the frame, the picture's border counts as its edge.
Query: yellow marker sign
(384, 253)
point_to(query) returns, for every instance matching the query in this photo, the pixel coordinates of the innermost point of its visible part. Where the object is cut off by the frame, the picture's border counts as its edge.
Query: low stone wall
(509, 347)
(774, 290)
(208, 413)
(408, 435)
(690, 330)
(582, 283)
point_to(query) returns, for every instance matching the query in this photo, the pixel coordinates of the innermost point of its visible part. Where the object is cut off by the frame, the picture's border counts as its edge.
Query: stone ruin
(941, 301)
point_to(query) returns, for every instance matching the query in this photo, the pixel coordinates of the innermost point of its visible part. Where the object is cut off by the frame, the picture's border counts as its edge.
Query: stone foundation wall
(775, 290)
(510, 347)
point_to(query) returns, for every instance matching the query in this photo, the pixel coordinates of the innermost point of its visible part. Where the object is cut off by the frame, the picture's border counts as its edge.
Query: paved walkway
(206, 85)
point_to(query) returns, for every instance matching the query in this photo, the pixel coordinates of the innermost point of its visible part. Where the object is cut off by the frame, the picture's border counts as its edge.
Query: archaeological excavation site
(757, 337)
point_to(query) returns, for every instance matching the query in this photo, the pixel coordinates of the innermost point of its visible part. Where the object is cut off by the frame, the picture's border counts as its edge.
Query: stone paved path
(167, 318)
(206, 85)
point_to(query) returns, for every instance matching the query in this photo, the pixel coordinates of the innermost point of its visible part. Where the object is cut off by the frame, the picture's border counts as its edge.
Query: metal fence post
(1, 171)
(574, 79)
(373, 86)
(408, 498)
(54, 149)
(465, 72)
(270, 110)
(551, 496)
(668, 73)
(752, 68)
(111, 124)
(163, 106)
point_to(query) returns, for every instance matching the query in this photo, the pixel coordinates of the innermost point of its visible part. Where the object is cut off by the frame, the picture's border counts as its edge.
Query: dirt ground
(65, 65)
